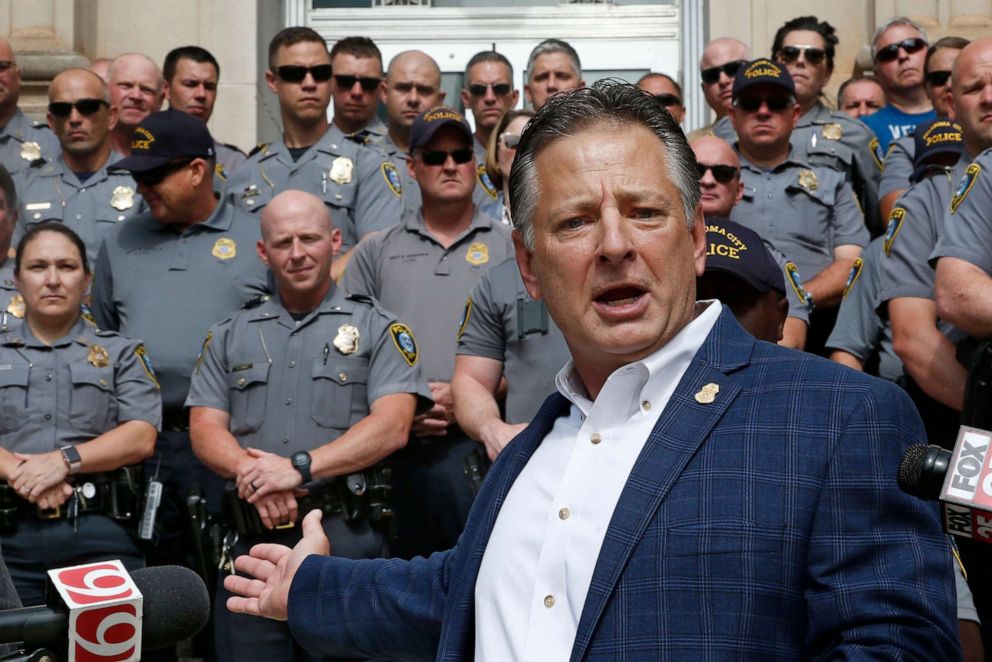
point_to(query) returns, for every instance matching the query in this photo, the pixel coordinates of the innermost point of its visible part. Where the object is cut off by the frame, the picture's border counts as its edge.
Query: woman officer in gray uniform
(76, 405)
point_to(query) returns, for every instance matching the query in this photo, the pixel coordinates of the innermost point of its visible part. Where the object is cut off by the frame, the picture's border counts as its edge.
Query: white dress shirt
(537, 567)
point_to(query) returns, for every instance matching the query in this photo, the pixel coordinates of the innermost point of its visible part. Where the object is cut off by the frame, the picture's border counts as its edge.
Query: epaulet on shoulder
(238, 149)
(361, 298)
(103, 333)
(256, 301)
(260, 147)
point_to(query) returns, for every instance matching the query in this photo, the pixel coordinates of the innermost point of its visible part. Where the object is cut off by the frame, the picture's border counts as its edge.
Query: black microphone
(922, 471)
(175, 606)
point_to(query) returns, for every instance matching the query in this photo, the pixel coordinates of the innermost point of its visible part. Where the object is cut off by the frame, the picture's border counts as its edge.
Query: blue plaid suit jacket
(767, 525)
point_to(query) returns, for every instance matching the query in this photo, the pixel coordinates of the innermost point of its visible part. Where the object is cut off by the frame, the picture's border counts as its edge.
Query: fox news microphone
(961, 479)
(98, 612)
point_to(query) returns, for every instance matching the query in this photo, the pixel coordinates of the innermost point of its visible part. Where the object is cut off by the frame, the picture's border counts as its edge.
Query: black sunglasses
(667, 100)
(368, 83)
(479, 89)
(891, 52)
(437, 157)
(84, 106)
(776, 103)
(294, 73)
(712, 74)
(721, 173)
(155, 176)
(813, 55)
(938, 78)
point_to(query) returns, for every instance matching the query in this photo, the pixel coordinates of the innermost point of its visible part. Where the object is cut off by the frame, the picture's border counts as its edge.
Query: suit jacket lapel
(681, 429)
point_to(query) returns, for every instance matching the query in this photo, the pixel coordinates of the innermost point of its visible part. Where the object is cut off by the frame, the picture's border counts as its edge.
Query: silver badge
(347, 339)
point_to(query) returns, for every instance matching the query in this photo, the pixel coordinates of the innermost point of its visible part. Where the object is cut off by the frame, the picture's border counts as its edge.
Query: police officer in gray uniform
(22, 141)
(76, 403)
(79, 187)
(11, 301)
(166, 276)
(504, 333)
(310, 389)
(351, 179)
(423, 270)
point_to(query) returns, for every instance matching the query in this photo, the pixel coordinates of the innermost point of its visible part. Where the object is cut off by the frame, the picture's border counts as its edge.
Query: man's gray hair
(891, 23)
(612, 104)
(554, 46)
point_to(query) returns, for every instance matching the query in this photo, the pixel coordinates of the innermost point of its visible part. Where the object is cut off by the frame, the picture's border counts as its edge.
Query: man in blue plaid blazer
(761, 519)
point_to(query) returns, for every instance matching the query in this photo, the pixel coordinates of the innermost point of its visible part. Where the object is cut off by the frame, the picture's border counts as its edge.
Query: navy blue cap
(762, 72)
(934, 139)
(164, 136)
(427, 123)
(739, 251)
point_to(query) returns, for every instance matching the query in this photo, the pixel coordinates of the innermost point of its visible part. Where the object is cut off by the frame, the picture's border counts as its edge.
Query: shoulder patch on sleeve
(146, 363)
(876, 153)
(203, 349)
(853, 276)
(964, 188)
(403, 339)
(796, 281)
(220, 172)
(465, 317)
(392, 177)
(896, 217)
(485, 182)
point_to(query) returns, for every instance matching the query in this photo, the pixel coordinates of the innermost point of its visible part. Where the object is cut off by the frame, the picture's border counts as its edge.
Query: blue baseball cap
(736, 250)
(164, 136)
(429, 122)
(762, 72)
(934, 139)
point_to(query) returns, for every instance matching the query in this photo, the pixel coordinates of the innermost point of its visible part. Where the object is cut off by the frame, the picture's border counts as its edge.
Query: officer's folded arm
(827, 287)
(964, 296)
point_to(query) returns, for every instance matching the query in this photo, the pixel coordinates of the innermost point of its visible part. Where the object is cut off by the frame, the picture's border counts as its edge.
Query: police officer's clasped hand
(267, 474)
(36, 474)
(435, 421)
(276, 508)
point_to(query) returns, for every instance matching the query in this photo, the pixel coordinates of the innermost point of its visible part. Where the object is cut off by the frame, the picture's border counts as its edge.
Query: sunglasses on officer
(776, 102)
(668, 100)
(368, 83)
(712, 74)
(891, 52)
(156, 176)
(294, 73)
(84, 106)
(938, 78)
(436, 157)
(479, 89)
(721, 173)
(813, 55)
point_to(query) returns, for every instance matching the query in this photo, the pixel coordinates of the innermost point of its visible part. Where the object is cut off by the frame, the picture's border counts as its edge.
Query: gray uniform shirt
(168, 287)
(413, 276)
(858, 329)
(372, 134)
(351, 179)
(291, 386)
(54, 193)
(803, 210)
(501, 322)
(23, 142)
(81, 386)
(11, 302)
(968, 224)
(898, 165)
(399, 177)
(229, 158)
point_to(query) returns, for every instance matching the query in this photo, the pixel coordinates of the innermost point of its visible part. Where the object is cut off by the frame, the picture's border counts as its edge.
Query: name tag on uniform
(532, 317)
(37, 206)
(6, 366)
(243, 367)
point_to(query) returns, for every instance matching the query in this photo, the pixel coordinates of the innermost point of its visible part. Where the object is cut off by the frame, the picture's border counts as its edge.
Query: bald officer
(22, 142)
(310, 389)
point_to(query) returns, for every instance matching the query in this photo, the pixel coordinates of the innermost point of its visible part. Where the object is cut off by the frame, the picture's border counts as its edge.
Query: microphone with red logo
(99, 613)
(961, 479)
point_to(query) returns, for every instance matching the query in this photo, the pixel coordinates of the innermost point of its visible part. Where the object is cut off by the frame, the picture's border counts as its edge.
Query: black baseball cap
(762, 72)
(427, 123)
(164, 136)
(934, 139)
(740, 252)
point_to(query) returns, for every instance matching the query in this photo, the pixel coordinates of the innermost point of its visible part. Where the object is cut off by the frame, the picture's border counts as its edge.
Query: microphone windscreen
(911, 469)
(176, 605)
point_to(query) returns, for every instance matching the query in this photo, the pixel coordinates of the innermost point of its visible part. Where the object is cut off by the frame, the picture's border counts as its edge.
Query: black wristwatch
(72, 459)
(301, 462)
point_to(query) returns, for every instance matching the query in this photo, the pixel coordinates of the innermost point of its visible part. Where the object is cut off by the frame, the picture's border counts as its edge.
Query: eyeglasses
(891, 52)
(7, 64)
(479, 89)
(294, 73)
(157, 175)
(721, 173)
(712, 74)
(776, 104)
(438, 158)
(938, 78)
(368, 83)
(510, 140)
(84, 106)
(813, 55)
(667, 100)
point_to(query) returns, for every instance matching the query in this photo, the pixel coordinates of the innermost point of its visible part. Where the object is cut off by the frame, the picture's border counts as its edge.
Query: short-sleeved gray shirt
(291, 386)
(858, 329)
(502, 322)
(898, 165)
(11, 302)
(795, 293)
(351, 179)
(167, 286)
(425, 284)
(229, 158)
(72, 391)
(400, 178)
(803, 210)
(23, 142)
(968, 224)
(54, 193)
